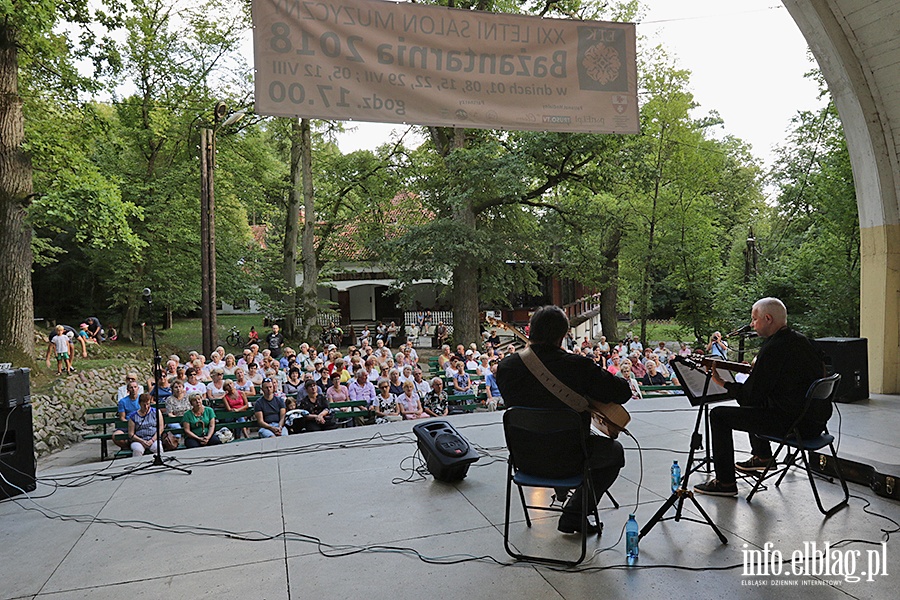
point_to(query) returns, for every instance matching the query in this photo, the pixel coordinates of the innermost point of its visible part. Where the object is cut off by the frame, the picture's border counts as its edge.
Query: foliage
(810, 253)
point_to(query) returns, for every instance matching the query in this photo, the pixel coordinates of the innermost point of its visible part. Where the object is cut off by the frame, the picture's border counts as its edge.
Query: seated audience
(145, 427)
(270, 410)
(199, 424)
(409, 403)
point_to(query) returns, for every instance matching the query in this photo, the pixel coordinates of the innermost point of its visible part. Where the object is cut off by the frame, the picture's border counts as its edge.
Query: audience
(309, 382)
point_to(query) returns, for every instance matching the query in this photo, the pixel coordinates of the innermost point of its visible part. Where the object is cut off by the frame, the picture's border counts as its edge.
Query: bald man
(770, 400)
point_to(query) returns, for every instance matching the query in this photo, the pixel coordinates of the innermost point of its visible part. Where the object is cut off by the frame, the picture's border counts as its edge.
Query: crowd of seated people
(631, 361)
(294, 392)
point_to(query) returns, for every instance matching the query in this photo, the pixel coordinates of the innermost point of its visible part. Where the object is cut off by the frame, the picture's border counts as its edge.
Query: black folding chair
(820, 390)
(547, 449)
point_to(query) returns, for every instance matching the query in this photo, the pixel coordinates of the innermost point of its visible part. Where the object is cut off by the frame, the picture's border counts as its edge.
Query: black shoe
(754, 465)
(571, 523)
(715, 487)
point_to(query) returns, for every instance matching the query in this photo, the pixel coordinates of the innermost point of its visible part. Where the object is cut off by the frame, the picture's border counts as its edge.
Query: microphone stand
(157, 375)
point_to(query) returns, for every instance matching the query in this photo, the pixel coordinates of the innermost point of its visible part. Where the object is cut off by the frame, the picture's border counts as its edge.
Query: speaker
(849, 357)
(16, 434)
(447, 453)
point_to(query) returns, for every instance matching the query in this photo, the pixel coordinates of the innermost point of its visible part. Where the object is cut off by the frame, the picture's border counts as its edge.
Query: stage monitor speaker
(17, 469)
(447, 453)
(848, 357)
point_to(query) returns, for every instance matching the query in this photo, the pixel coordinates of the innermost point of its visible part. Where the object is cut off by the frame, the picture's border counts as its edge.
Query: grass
(657, 331)
(185, 334)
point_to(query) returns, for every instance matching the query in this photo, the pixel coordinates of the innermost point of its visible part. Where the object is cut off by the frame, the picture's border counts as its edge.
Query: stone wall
(59, 415)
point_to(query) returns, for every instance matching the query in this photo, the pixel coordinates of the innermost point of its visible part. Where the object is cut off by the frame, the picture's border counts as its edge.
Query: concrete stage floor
(246, 523)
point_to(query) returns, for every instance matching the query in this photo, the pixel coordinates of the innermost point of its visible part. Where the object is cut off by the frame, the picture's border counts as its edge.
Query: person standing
(717, 347)
(64, 351)
(275, 341)
(519, 387)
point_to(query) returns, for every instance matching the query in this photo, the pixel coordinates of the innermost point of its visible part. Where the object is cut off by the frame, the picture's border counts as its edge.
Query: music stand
(700, 390)
(158, 460)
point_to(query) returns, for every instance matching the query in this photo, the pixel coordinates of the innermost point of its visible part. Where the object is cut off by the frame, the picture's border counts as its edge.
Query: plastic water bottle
(676, 476)
(632, 534)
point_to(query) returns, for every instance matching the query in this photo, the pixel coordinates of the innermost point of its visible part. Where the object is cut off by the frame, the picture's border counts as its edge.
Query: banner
(387, 62)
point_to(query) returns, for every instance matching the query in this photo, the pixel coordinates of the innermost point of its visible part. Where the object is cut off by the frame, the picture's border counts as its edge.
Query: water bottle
(632, 533)
(676, 476)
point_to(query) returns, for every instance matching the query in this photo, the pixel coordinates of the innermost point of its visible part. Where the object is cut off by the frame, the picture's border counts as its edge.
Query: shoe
(571, 523)
(754, 465)
(72, 370)
(715, 487)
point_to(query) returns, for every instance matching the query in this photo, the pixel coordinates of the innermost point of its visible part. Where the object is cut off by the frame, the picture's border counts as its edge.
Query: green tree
(809, 241)
(35, 58)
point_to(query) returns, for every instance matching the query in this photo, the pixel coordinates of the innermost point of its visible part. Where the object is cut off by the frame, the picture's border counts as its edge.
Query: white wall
(362, 303)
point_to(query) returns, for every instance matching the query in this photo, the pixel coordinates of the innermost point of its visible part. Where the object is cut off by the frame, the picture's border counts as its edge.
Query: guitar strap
(567, 395)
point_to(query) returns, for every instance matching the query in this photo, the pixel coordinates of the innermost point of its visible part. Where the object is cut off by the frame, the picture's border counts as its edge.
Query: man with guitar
(770, 400)
(585, 382)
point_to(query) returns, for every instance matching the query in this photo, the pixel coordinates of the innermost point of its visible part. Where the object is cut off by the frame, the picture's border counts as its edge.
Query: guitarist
(771, 399)
(519, 387)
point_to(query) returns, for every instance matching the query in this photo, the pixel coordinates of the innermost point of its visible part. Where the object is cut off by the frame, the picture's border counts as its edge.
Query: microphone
(743, 329)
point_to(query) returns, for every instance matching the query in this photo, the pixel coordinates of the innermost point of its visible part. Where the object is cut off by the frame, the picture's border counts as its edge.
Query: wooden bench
(661, 391)
(345, 412)
(109, 422)
(465, 402)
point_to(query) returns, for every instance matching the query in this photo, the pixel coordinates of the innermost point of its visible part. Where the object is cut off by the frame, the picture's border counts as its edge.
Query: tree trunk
(16, 299)
(126, 329)
(292, 219)
(308, 295)
(609, 285)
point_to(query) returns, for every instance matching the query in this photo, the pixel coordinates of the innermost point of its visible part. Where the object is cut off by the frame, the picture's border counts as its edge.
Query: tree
(809, 241)
(31, 46)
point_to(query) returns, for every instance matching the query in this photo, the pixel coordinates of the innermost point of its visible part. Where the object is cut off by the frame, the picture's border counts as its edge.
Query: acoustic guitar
(609, 418)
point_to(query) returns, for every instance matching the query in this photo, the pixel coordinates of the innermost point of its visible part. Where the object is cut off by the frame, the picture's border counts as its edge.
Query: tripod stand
(684, 492)
(157, 375)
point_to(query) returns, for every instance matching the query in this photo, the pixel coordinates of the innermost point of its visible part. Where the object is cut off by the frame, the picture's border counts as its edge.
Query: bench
(345, 412)
(108, 417)
(661, 391)
(465, 402)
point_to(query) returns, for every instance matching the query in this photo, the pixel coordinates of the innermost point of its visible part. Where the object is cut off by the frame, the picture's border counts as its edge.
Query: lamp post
(208, 225)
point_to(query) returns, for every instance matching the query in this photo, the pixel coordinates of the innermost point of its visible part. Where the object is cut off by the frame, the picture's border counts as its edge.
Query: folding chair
(547, 449)
(820, 390)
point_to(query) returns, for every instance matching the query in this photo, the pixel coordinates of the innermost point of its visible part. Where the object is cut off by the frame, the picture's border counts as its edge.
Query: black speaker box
(850, 358)
(447, 453)
(17, 472)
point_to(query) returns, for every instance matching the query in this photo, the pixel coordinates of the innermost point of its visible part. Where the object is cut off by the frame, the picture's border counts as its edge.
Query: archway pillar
(880, 305)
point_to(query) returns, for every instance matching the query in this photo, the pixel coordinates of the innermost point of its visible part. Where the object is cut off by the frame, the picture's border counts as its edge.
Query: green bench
(661, 391)
(109, 422)
(344, 412)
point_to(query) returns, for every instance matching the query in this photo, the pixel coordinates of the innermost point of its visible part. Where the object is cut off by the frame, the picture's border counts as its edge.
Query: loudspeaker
(850, 358)
(17, 468)
(447, 453)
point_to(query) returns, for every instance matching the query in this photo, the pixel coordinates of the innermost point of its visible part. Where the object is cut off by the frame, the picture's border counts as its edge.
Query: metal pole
(205, 188)
(211, 248)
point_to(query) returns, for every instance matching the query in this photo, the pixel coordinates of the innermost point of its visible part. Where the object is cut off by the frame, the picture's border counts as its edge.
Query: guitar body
(610, 419)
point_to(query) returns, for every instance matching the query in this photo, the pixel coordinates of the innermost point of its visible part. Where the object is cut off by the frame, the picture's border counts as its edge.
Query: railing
(582, 305)
(411, 317)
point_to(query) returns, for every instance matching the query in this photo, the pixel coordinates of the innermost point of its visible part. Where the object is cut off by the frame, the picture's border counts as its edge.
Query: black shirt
(275, 341)
(786, 366)
(519, 387)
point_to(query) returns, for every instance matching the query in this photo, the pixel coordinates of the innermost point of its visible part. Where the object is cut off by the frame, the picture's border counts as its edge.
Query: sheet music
(693, 381)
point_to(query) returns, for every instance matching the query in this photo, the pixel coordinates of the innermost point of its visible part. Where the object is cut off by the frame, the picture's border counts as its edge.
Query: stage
(329, 515)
